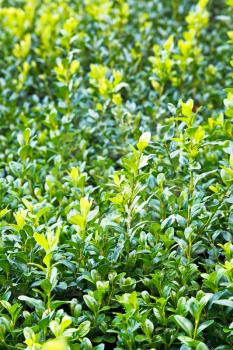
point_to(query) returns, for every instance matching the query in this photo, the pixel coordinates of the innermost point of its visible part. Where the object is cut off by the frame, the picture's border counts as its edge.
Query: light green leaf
(42, 241)
(144, 141)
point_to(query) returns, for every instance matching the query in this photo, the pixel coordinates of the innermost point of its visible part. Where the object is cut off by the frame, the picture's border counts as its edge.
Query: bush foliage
(116, 175)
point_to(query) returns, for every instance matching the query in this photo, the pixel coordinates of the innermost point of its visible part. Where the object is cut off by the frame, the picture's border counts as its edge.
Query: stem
(169, 157)
(195, 329)
(49, 293)
(110, 295)
(129, 217)
(189, 249)
(49, 301)
(191, 190)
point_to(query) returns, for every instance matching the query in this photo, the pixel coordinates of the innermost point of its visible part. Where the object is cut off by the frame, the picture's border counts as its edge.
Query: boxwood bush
(116, 175)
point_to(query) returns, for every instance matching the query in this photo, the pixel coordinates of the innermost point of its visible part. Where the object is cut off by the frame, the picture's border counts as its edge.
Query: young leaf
(42, 241)
(144, 141)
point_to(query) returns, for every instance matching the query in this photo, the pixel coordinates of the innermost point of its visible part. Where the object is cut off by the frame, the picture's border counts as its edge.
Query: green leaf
(85, 207)
(28, 333)
(3, 212)
(36, 303)
(231, 161)
(84, 329)
(204, 325)
(199, 134)
(78, 220)
(26, 135)
(202, 346)
(24, 152)
(140, 338)
(224, 302)
(148, 327)
(91, 303)
(185, 324)
(189, 341)
(6, 304)
(92, 214)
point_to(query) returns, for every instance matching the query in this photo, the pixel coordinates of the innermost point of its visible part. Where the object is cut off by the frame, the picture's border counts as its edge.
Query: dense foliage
(116, 174)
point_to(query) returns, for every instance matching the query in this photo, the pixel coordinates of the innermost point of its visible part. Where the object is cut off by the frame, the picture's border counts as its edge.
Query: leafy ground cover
(116, 175)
